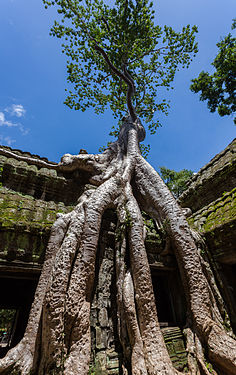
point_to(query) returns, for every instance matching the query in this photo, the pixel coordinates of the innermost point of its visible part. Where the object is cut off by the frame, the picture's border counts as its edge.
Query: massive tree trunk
(57, 337)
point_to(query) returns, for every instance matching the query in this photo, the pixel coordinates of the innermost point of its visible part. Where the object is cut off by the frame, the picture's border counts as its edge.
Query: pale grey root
(57, 337)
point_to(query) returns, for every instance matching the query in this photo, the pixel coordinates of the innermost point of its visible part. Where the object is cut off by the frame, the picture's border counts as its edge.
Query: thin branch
(116, 71)
(130, 93)
(143, 96)
(99, 81)
(146, 54)
(106, 24)
(123, 76)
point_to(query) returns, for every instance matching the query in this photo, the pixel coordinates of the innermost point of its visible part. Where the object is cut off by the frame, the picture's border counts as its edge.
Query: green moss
(1, 170)
(217, 214)
(95, 369)
(209, 367)
(16, 208)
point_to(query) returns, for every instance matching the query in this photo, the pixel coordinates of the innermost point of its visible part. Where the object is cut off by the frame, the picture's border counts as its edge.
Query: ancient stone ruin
(30, 198)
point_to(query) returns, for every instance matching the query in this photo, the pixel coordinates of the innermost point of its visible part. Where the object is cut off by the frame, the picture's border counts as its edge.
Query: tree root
(221, 347)
(196, 358)
(138, 364)
(121, 242)
(57, 338)
(156, 356)
(66, 320)
(20, 358)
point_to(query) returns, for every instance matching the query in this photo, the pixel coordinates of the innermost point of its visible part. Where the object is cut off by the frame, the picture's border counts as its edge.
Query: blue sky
(33, 78)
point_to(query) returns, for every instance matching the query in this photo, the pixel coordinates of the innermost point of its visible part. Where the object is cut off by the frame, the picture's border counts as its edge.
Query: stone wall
(30, 198)
(211, 195)
(213, 180)
(217, 222)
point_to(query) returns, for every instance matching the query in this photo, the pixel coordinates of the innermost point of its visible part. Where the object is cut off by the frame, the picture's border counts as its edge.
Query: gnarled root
(66, 312)
(156, 355)
(121, 243)
(196, 358)
(138, 364)
(59, 321)
(20, 358)
(221, 347)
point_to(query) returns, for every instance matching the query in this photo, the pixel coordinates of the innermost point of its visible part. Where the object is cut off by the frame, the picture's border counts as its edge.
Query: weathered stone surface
(103, 317)
(25, 224)
(217, 222)
(30, 197)
(41, 183)
(217, 213)
(175, 344)
(214, 179)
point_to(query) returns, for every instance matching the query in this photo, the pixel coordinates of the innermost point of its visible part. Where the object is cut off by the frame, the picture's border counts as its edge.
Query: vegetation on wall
(116, 59)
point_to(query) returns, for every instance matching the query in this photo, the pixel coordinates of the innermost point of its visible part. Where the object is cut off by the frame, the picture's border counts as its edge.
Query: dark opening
(7, 326)
(228, 272)
(170, 300)
(15, 302)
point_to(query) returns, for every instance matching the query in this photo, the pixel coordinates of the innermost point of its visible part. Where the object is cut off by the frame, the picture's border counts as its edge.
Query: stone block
(103, 317)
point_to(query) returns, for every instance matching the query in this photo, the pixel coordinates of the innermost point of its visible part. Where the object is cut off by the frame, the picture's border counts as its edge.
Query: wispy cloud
(23, 130)
(4, 122)
(16, 110)
(6, 140)
(19, 112)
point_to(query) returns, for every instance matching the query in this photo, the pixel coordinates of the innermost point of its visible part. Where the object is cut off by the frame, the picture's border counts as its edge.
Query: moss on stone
(222, 211)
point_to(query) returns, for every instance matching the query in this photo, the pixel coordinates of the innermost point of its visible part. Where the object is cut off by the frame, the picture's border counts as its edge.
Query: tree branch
(146, 54)
(123, 76)
(106, 24)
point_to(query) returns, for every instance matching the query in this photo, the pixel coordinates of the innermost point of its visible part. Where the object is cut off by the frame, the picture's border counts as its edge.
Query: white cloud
(2, 117)
(23, 130)
(6, 140)
(4, 122)
(16, 110)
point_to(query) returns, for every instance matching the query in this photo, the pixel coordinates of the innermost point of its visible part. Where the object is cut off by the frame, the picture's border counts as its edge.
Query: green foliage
(176, 181)
(95, 369)
(128, 35)
(219, 88)
(6, 317)
(149, 223)
(122, 227)
(145, 149)
(209, 367)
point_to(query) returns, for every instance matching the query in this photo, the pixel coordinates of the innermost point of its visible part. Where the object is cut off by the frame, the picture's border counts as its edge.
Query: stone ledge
(217, 213)
(41, 183)
(215, 178)
(23, 210)
(20, 269)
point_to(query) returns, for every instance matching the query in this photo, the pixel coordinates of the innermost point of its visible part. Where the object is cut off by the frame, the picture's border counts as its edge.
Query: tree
(176, 181)
(116, 46)
(102, 42)
(218, 88)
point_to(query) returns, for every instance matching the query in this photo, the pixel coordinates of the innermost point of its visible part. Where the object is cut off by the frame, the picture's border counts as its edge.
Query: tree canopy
(112, 49)
(109, 44)
(218, 88)
(176, 181)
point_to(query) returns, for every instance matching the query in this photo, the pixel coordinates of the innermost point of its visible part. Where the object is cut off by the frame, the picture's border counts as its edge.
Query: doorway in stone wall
(170, 299)
(16, 297)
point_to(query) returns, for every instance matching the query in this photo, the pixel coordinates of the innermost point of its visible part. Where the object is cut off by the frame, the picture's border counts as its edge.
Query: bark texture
(57, 337)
